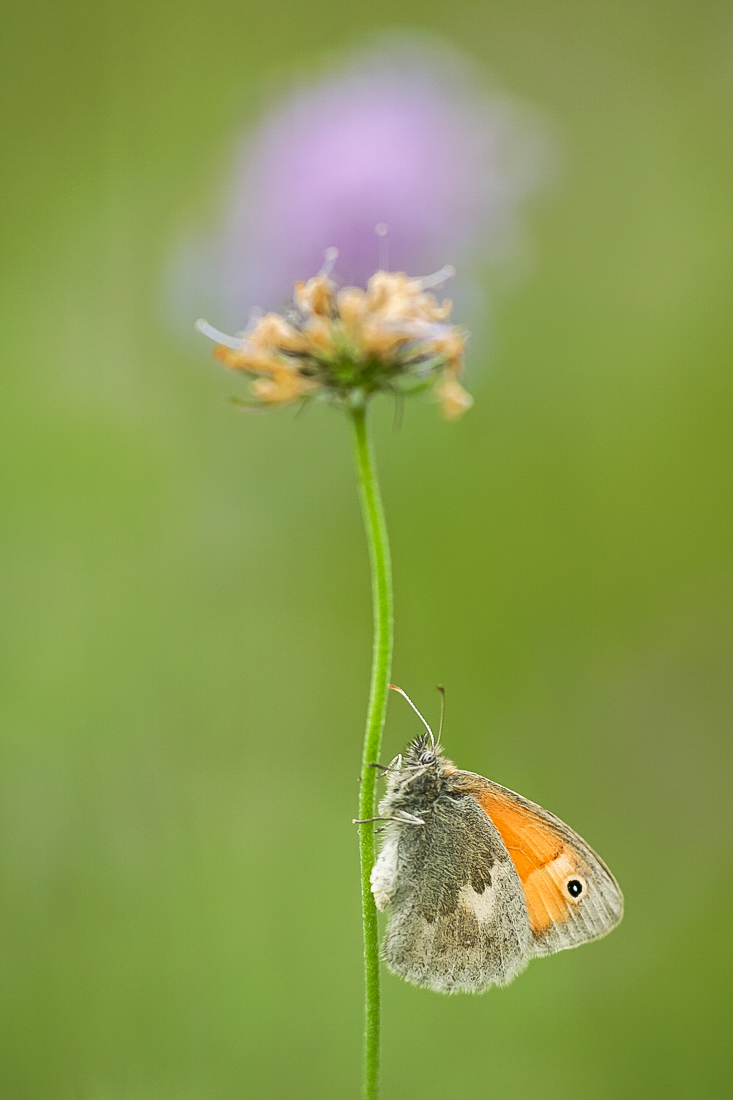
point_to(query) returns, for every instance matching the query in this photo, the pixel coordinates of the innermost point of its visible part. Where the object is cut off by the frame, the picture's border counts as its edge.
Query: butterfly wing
(570, 894)
(458, 921)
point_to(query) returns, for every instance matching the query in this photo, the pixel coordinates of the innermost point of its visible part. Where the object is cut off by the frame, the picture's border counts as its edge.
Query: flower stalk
(383, 617)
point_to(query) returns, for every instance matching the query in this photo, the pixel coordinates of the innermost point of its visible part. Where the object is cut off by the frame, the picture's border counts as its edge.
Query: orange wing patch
(542, 860)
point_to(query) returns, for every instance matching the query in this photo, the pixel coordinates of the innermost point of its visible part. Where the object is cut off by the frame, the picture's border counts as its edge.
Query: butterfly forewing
(570, 894)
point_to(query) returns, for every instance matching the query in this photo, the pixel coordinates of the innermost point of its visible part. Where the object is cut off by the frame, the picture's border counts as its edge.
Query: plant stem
(381, 570)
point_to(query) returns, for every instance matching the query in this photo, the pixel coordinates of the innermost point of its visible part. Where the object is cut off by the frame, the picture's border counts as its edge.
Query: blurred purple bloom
(403, 135)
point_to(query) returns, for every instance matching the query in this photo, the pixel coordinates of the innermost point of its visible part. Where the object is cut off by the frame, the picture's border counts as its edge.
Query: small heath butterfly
(479, 880)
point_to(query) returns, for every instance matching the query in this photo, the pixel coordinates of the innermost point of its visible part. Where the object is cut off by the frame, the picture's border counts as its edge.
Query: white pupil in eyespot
(575, 888)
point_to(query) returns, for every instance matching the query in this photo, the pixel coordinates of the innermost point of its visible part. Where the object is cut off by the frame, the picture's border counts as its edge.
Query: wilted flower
(402, 138)
(346, 344)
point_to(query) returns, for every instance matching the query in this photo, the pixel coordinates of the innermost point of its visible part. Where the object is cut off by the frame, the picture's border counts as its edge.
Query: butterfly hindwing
(458, 920)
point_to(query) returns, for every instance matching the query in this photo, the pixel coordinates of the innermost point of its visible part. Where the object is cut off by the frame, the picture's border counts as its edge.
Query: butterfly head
(421, 773)
(420, 778)
(422, 752)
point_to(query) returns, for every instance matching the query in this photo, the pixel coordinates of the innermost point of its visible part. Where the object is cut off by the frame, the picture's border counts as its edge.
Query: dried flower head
(344, 345)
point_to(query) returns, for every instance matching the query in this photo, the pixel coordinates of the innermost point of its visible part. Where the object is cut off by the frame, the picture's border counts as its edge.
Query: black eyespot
(427, 758)
(574, 887)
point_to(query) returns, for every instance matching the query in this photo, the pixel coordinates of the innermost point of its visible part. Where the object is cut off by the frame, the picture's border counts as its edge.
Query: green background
(185, 590)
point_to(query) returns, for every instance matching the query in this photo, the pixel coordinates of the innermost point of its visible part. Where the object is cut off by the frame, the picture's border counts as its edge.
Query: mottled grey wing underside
(458, 920)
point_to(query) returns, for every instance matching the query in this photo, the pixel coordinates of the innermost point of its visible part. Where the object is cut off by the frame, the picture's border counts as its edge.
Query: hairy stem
(381, 570)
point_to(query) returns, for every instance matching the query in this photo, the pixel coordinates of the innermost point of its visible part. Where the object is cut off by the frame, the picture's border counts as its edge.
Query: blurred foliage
(185, 589)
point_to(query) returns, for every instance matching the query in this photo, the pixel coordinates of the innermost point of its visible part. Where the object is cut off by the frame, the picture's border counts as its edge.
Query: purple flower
(402, 134)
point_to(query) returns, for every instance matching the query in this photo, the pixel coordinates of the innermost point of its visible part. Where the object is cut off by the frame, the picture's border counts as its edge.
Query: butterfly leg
(404, 818)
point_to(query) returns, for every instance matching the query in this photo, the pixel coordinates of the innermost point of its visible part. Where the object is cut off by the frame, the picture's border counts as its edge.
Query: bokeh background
(186, 612)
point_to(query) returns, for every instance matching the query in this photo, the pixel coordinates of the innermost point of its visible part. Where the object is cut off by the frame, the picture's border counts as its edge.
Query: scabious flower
(346, 344)
(402, 135)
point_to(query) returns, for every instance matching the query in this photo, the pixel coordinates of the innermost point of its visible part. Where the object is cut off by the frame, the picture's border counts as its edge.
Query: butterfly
(479, 880)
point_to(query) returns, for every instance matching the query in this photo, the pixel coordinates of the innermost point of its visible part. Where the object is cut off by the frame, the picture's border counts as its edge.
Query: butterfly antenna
(417, 712)
(441, 689)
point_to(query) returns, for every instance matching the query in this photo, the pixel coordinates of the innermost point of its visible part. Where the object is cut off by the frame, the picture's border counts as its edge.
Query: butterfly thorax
(425, 778)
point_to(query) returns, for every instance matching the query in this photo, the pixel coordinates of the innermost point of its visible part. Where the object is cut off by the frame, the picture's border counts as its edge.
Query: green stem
(381, 569)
